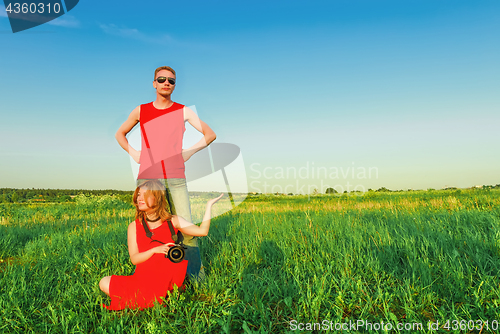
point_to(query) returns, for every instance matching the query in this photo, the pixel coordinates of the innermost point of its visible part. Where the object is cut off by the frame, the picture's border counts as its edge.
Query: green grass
(392, 257)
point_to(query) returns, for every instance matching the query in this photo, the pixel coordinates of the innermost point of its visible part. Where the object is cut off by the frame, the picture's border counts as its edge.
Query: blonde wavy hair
(155, 189)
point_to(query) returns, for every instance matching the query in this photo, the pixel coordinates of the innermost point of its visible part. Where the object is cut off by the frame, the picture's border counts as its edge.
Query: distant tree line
(13, 195)
(330, 191)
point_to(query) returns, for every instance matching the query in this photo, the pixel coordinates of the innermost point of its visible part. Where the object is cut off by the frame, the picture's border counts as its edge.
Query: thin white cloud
(66, 20)
(133, 33)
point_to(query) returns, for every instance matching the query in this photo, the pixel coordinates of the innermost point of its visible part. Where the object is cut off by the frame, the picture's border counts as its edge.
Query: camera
(176, 253)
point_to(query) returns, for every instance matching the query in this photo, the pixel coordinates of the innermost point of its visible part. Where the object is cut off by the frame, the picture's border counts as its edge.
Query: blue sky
(405, 89)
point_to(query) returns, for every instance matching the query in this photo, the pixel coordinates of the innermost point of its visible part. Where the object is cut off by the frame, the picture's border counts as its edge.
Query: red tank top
(161, 139)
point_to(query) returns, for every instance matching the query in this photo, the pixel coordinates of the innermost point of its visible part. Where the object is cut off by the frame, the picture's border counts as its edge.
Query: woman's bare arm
(133, 249)
(196, 230)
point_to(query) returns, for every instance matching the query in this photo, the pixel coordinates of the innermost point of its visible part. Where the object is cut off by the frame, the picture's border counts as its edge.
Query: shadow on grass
(212, 245)
(266, 288)
(452, 259)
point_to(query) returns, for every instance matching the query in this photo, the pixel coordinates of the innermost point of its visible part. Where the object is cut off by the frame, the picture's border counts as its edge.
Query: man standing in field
(162, 157)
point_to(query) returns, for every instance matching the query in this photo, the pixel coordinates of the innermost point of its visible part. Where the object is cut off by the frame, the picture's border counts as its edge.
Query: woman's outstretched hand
(197, 230)
(214, 200)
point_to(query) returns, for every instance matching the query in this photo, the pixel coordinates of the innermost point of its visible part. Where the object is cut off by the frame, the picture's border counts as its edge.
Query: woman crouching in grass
(150, 238)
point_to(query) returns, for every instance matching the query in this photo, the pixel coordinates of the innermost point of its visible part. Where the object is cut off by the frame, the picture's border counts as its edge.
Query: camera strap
(149, 234)
(177, 238)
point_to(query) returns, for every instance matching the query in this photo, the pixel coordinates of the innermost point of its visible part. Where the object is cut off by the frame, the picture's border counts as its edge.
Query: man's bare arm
(125, 128)
(208, 134)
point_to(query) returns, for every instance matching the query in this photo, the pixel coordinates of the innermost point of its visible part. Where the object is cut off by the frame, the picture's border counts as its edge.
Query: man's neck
(162, 102)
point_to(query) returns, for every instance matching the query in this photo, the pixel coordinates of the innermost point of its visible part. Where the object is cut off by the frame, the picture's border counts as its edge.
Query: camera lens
(176, 254)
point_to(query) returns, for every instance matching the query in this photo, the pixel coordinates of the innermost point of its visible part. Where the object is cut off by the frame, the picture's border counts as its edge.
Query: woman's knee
(104, 284)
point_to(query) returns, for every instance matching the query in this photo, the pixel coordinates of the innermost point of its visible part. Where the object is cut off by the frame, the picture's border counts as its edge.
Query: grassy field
(274, 264)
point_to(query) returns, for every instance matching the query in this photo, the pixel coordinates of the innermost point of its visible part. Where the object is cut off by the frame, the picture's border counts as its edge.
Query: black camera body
(176, 253)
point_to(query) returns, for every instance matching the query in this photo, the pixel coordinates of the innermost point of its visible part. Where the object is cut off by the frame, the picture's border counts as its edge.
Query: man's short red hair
(168, 68)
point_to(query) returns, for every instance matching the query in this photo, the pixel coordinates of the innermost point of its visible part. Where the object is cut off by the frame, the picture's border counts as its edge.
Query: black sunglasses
(163, 79)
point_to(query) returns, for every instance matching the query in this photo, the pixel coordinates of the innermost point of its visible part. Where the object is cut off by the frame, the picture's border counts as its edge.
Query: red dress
(152, 279)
